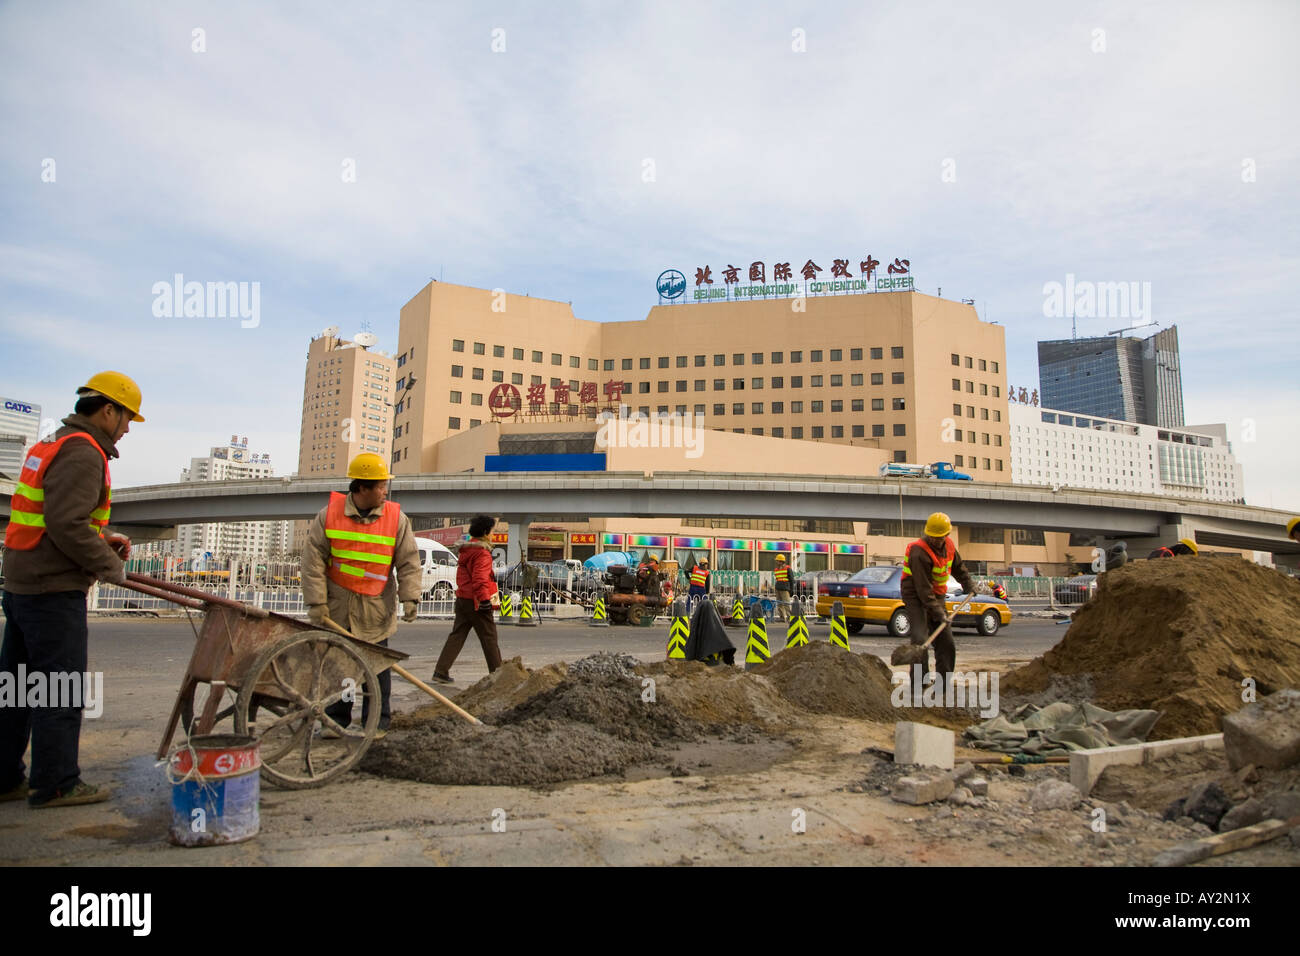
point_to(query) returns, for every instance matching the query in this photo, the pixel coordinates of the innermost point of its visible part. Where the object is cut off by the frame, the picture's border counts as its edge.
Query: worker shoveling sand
(1179, 636)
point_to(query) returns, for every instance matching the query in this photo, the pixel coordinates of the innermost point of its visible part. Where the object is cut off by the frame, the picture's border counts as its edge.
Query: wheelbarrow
(273, 677)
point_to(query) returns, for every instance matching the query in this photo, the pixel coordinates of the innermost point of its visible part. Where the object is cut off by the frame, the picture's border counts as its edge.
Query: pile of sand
(719, 695)
(1179, 636)
(508, 686)
(825, 679)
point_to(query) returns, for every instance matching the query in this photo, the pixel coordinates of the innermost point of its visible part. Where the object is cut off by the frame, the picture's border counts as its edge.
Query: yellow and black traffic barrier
(599, 616)
(737, 612)
(526, 616)
(756, 647)
(679, 632)
(507, 613)
(839, 627)
(796, 633)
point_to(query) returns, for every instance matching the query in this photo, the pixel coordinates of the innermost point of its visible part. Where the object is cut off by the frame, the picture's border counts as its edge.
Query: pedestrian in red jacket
(476, 599)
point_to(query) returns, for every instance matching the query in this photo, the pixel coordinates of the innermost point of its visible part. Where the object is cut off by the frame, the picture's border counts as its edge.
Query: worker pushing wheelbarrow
(274, 677)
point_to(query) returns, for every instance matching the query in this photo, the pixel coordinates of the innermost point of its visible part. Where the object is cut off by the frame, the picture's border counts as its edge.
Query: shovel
(403, 673)
(916, 653)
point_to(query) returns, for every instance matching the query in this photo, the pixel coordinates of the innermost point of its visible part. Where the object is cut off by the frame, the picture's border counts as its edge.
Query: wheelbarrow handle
(195, 593)
(164, 595)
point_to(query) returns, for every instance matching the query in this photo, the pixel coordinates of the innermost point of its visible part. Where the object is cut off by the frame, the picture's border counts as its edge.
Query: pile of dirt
(719, 695)
(1179, 636)
(508, 686)
(824, 679)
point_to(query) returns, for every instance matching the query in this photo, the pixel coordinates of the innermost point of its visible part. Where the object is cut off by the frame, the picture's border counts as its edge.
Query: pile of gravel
(605, 664)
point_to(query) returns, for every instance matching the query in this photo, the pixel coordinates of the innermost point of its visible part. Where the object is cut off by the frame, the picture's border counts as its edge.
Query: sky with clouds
(998, 146)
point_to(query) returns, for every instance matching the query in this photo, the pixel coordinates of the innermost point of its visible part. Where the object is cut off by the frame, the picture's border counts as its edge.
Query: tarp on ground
(1055, 730)
(708, 635)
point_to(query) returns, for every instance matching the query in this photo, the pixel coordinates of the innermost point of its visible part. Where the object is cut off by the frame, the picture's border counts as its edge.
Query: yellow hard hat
(118, 388)
(780, 557)
(938, 525)
(368, 467)
(1189, 543)
(1291, 526)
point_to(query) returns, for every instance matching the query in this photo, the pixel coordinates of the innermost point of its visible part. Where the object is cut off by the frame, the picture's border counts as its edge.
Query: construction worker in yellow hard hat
(354, 545)
(1184, 546)
(1293, 529)
(784, 588)
(55, 548)
(928, 562)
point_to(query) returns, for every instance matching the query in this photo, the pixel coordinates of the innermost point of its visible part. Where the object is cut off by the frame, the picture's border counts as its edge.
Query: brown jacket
(70, 556)
(369, 618)
(920, 587)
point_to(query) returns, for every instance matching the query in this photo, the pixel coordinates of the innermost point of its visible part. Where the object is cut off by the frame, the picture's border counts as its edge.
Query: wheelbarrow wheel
(286, 691)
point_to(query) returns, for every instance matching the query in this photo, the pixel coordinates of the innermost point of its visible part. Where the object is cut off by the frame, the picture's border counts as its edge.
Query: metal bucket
(216, 786)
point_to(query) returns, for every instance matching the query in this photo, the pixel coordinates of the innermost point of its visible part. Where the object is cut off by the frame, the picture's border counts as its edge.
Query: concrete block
(1160, 749)
(1086, 765)
(1265, 733)
(978, 786)
(920, 790)
(962, 771)
(1055, 795)
(922, 744)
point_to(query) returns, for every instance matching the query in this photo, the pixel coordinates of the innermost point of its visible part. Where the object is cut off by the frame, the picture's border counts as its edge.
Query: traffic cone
(507, 614)
(756, 648)
(679, 632)
(839, 628)
(599, 616)
(796, 634)
(526, 616)
(737, 612)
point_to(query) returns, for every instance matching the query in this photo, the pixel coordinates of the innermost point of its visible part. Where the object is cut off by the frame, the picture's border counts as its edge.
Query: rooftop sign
(672, 284)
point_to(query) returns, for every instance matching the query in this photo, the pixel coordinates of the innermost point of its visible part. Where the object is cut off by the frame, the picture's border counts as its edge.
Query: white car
(437, 569)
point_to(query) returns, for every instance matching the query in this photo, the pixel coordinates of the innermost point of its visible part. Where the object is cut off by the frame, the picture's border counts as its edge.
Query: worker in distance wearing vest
(784, 588)
(928, 563)
(55, 548)
(353, 546)
(699, 588)
(1184, 546)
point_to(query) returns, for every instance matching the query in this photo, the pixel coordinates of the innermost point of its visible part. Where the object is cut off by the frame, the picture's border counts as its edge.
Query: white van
(438, 569)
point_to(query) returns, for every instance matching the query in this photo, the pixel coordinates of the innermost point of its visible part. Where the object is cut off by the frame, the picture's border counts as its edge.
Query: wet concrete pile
(1179, 636)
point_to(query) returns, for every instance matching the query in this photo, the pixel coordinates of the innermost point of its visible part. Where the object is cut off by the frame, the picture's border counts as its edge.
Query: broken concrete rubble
(1265, 733)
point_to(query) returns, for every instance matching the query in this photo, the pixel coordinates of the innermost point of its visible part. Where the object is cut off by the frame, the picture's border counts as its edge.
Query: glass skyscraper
(1131, 379)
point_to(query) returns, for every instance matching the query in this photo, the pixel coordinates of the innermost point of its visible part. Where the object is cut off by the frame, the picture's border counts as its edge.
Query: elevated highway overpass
(520, 497)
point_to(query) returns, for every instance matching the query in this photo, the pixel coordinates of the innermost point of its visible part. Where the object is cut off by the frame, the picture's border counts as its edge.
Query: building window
(738, 408)
(877, 378)
(719, 384)
(956, 385)
(984, 437)
(957, 460)
(738, 358)
(796, 408)
(970, 387)
(480, 348)
(796, 357)
(900, 405)
(756, 408)
(662, 386)
(997, 415)
(756, 431)
(817, 405)
(855, 355)
(837, 380)
(970, 411)
(777, 359)
(969, 363)
(518, 354)
(700, 361)
(609, 365)
(815, 355)
(719, 409)
(900, 430)
(663, 361)
(859, 431)
(855, 378)
(476, 398)
(896, 378)
(900, 456)
(477, 374)
(983, 366)
(756, 358)
(816, 381)
(796, 431)
(796, 381)
(997, 440)
(984, 414)
(516, 378)
(818, 431)
(778, 381)
(994, 367)
(986, 465)
(984, 389)
(837, 431)
(970, 438)
(644, 363)
(737, 384)
(999, 464)
(837, 355)
(455, 398)
(498, 375)
(877, 431)
(857, 404)
(778, 432)
(956, 359)
(537, 356)
(719, 360)
(996, 392)
(837, 404)
(458, 345)
(896, 352)
(457, 371)
(453, 423)
(643, 388)
(681, 385)
(756, 383)
(778, 408)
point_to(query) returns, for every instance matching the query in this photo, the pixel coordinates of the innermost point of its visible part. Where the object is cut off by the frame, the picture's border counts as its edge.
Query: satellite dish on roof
(365, 339)
(332, 332)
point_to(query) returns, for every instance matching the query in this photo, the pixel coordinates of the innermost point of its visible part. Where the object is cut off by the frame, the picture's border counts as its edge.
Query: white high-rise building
(231, 463)
(20, 425)
(1051, 447)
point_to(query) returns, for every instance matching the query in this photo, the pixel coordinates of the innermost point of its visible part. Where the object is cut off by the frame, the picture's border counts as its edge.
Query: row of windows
(499, 351)
(984, 366)
(970, 387)
(683, 361)
(776, 381)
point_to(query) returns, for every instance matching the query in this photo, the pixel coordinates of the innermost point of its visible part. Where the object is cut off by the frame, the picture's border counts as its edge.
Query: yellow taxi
(872, 596)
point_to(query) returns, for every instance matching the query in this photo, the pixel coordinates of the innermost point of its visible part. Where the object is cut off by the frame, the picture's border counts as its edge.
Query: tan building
(919, 377)
(347, 400)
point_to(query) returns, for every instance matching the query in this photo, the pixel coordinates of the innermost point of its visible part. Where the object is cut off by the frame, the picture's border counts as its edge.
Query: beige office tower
(919, 378)
(347, 406)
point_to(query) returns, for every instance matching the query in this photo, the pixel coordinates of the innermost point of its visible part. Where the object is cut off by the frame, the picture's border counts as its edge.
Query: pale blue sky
(523, 169)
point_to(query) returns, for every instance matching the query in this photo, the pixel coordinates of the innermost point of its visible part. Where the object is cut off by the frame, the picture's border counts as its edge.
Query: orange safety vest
(698, 576)
(941, 568)
(27, 517)
(361, 555)
(782, 574)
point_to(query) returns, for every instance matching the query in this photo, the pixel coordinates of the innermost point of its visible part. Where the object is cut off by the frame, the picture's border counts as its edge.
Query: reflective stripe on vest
(941, 568)
(698, 577)
(782, 575)
(361, 554)
(27, 515)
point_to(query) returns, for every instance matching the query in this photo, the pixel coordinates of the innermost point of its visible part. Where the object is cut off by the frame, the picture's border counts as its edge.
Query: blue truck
(938, 469)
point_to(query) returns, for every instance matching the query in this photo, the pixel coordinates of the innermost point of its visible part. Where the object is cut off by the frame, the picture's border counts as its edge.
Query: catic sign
(784, 283)
(18, 407)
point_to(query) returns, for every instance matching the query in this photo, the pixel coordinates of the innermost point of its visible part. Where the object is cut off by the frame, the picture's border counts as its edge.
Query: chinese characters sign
(786, 279)
(504, 401)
